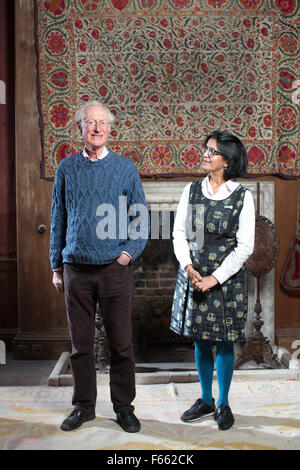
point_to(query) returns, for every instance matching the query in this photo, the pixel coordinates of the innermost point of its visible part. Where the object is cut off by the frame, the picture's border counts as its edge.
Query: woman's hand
(205, 283)
(193, 274)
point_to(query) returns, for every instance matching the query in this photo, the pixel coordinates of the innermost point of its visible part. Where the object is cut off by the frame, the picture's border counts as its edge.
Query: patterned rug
(172, 71)
(267, 417)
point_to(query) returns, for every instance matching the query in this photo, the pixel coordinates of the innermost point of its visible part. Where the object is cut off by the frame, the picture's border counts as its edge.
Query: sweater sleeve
(58, 220)
(138, 229)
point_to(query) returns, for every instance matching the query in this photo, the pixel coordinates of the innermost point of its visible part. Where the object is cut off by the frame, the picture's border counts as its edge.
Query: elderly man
(95, 195)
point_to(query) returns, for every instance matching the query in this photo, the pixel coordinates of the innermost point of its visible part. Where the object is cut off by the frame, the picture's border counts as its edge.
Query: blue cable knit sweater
(90, 222)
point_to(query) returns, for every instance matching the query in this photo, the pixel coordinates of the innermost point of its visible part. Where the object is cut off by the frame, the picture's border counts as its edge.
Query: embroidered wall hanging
(172, 71)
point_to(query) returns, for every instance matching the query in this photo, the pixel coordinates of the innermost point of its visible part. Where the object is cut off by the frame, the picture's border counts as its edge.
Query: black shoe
(76, 419)
(128, 421)
(224, 417)
(198, 411)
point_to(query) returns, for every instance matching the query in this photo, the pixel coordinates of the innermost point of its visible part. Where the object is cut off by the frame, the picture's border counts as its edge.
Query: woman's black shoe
(199, 410)
(224, 417)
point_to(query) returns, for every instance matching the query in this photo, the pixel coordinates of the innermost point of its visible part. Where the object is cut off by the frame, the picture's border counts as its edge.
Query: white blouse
(245, 235)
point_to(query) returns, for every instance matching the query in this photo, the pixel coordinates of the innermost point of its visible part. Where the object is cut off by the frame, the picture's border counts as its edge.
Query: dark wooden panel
(41, 309)
(8, 244)
(287, 305)
(8, 247)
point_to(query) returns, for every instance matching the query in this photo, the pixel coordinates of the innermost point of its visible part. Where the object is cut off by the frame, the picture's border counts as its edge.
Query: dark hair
(233, 151)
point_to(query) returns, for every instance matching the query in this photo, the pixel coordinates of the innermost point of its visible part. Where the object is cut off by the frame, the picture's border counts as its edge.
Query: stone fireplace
(155, 276)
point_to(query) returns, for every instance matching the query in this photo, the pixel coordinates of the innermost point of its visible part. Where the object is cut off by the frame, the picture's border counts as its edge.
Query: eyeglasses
(93, 123)
(211, 151)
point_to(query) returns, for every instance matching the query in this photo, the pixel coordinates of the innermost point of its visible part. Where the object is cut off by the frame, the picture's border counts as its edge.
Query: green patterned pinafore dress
(220, 314)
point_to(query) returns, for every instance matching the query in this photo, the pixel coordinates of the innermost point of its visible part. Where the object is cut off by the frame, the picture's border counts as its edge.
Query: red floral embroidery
(56, 7)
(286, 79)
(191, 157)
(286, 7)
(161, 155)
(64, 150)
(90, 5)
(181, 3)
(60, 115)
(120, 4)
(287, 118)
(256, 155)
(288, 43)
(56, 43)
(286, 156)
(250, 4)
(60, 79)
(268, 120)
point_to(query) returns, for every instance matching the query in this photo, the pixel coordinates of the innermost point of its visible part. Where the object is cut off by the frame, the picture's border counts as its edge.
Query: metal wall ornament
(262, 260)
(266, 250)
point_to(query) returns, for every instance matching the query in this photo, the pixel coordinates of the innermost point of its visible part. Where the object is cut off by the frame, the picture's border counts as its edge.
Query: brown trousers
(112, 285)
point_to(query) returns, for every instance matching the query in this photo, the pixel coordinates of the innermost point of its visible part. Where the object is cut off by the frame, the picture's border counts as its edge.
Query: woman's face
(215, 162)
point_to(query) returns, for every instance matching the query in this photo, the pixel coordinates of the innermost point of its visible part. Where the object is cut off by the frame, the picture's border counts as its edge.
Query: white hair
(80, 113)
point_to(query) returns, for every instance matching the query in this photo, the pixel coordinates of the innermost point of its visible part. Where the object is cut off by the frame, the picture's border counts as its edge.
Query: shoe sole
(226, 427)
(132, 430)
(197, 419)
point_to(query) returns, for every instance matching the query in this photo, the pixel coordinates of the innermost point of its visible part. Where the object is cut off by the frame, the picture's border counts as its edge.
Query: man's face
(95, 127)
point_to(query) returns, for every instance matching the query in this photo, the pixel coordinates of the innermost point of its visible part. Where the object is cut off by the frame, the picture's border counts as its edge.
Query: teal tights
(224, 367)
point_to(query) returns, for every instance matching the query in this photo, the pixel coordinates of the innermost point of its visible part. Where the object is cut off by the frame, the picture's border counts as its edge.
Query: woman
(210, 299)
